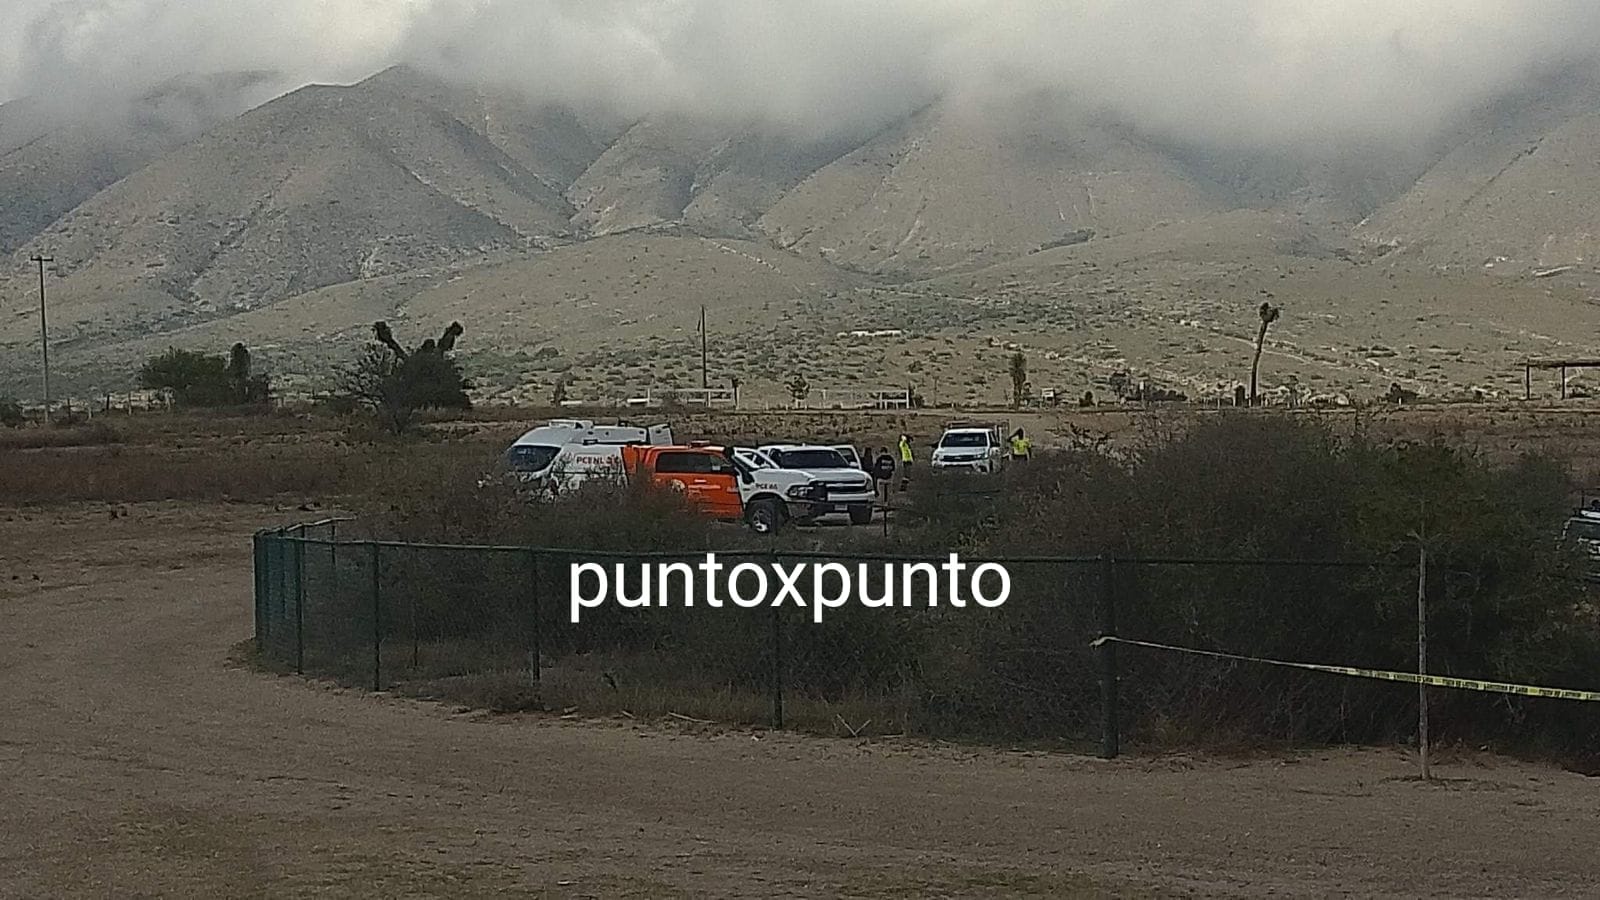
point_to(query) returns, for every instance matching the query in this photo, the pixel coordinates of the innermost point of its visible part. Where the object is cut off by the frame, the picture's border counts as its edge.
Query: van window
(685, 463)
(531, 457)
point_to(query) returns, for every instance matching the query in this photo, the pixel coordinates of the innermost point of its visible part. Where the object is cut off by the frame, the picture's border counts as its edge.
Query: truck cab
(707, 478)
(967, 447)
(1582, 530)
(818, 480)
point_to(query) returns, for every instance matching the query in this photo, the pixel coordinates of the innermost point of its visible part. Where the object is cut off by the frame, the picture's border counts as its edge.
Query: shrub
(200, 379)
(397, 383)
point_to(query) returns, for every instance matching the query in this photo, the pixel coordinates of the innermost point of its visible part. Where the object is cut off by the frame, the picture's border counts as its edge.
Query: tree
(397, 383)
(1019, 377)
(203, 379)
(194, 378)
(247, 388)
(799, 388)
(1269, 314)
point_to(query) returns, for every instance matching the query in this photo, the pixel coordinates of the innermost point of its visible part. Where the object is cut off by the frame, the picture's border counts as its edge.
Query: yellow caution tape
(1466, 684)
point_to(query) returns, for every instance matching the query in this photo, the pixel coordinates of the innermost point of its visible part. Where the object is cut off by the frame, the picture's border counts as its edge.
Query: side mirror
(747, 476)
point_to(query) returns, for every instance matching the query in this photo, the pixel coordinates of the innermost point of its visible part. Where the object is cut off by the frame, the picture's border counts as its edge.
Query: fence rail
(493, 622)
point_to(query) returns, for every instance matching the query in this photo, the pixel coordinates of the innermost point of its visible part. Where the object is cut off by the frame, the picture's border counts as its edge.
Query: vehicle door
(704, 479)
(754, 459)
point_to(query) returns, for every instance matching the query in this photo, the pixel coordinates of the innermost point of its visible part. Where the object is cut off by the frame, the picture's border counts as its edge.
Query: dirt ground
(137, 760)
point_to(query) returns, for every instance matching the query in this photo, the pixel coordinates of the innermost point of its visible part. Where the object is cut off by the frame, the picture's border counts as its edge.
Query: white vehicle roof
(577, 431)
(784, 448)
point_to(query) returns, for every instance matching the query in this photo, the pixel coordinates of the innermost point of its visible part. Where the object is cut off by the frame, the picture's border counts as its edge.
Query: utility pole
(704, 382)
(44, 334)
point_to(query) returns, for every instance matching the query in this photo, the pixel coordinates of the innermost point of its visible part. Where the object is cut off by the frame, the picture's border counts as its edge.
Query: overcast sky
(1295, 72)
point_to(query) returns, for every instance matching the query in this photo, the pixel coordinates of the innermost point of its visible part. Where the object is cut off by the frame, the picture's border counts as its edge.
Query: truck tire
(764, 516)
(861, 514)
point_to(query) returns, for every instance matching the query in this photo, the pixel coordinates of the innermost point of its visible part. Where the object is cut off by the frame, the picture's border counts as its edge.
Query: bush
(11, 415)
(1506, 602)
(199, 379)
(397, 383)
(1154, 529)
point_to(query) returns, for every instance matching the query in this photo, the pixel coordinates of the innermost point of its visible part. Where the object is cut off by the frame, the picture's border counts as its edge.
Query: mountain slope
(955, 186)
(52, 161)
(321, 186)
(714, 178)
(1518, 190)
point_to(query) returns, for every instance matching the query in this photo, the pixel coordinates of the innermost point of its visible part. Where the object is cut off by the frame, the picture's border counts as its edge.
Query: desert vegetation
(396, 383)
(200, 379)
(1267, 536)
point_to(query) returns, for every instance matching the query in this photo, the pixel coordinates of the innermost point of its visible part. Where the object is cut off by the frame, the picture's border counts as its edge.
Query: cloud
(1308, 73)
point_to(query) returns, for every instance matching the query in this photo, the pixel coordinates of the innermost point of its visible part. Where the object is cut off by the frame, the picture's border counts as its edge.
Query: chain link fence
(492, 626)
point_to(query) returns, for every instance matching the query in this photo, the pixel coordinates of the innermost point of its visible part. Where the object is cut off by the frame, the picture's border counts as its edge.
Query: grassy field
(306, 456)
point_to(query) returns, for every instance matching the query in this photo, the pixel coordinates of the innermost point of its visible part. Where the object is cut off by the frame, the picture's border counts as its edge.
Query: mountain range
(200, 214)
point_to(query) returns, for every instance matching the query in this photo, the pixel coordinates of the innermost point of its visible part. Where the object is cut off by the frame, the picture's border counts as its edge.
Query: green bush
(200, 379)
(1201, 536)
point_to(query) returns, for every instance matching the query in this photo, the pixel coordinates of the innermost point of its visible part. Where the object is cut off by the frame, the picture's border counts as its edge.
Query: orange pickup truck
(720, 486)
(705, 476)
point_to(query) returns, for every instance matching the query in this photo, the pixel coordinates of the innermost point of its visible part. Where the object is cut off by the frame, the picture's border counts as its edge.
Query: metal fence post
(777, 668)
(333, 558)
(777, 661)
(258, 554)
(281, 567)
(1110, 734)
(534, 624)
(300, 606)
(377, 619)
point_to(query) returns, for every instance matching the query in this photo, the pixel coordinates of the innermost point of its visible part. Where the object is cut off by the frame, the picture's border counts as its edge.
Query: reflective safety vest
(905, 451)
(1021, 447)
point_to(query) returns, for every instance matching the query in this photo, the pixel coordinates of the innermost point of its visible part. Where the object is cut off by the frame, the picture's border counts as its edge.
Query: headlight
(798, 492)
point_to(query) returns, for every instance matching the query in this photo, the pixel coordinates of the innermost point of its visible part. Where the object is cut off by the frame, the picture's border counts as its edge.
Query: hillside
(320, 187)
(968, 226)
(1516, 191)
(52, 160)
(958, 186)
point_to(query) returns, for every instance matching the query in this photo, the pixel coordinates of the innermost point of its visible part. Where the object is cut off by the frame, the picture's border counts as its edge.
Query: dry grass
(91, 435)
(644, 686)
(225, 458)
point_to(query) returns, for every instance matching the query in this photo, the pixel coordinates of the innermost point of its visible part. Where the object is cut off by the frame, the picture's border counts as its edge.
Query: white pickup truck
(819, 481)
(970, 448)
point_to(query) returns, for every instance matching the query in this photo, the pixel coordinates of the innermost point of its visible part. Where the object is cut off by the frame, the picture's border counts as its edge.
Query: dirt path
(134, 760)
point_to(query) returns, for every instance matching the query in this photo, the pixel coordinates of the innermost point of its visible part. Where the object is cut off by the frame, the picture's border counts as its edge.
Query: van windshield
(965, 439)
(810, 459)
(531, 457)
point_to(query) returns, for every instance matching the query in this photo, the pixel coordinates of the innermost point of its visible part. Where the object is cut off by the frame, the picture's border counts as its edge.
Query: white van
(565, 452)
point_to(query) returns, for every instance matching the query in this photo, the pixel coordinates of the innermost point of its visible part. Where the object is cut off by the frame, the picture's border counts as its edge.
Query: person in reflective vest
(905, 460)
(1021, 447)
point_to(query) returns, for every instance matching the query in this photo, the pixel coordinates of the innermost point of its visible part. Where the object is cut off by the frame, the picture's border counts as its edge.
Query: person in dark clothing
(883, 471)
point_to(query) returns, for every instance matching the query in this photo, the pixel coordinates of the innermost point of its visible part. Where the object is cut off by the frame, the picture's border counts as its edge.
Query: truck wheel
(860, 513)
(764, 516)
